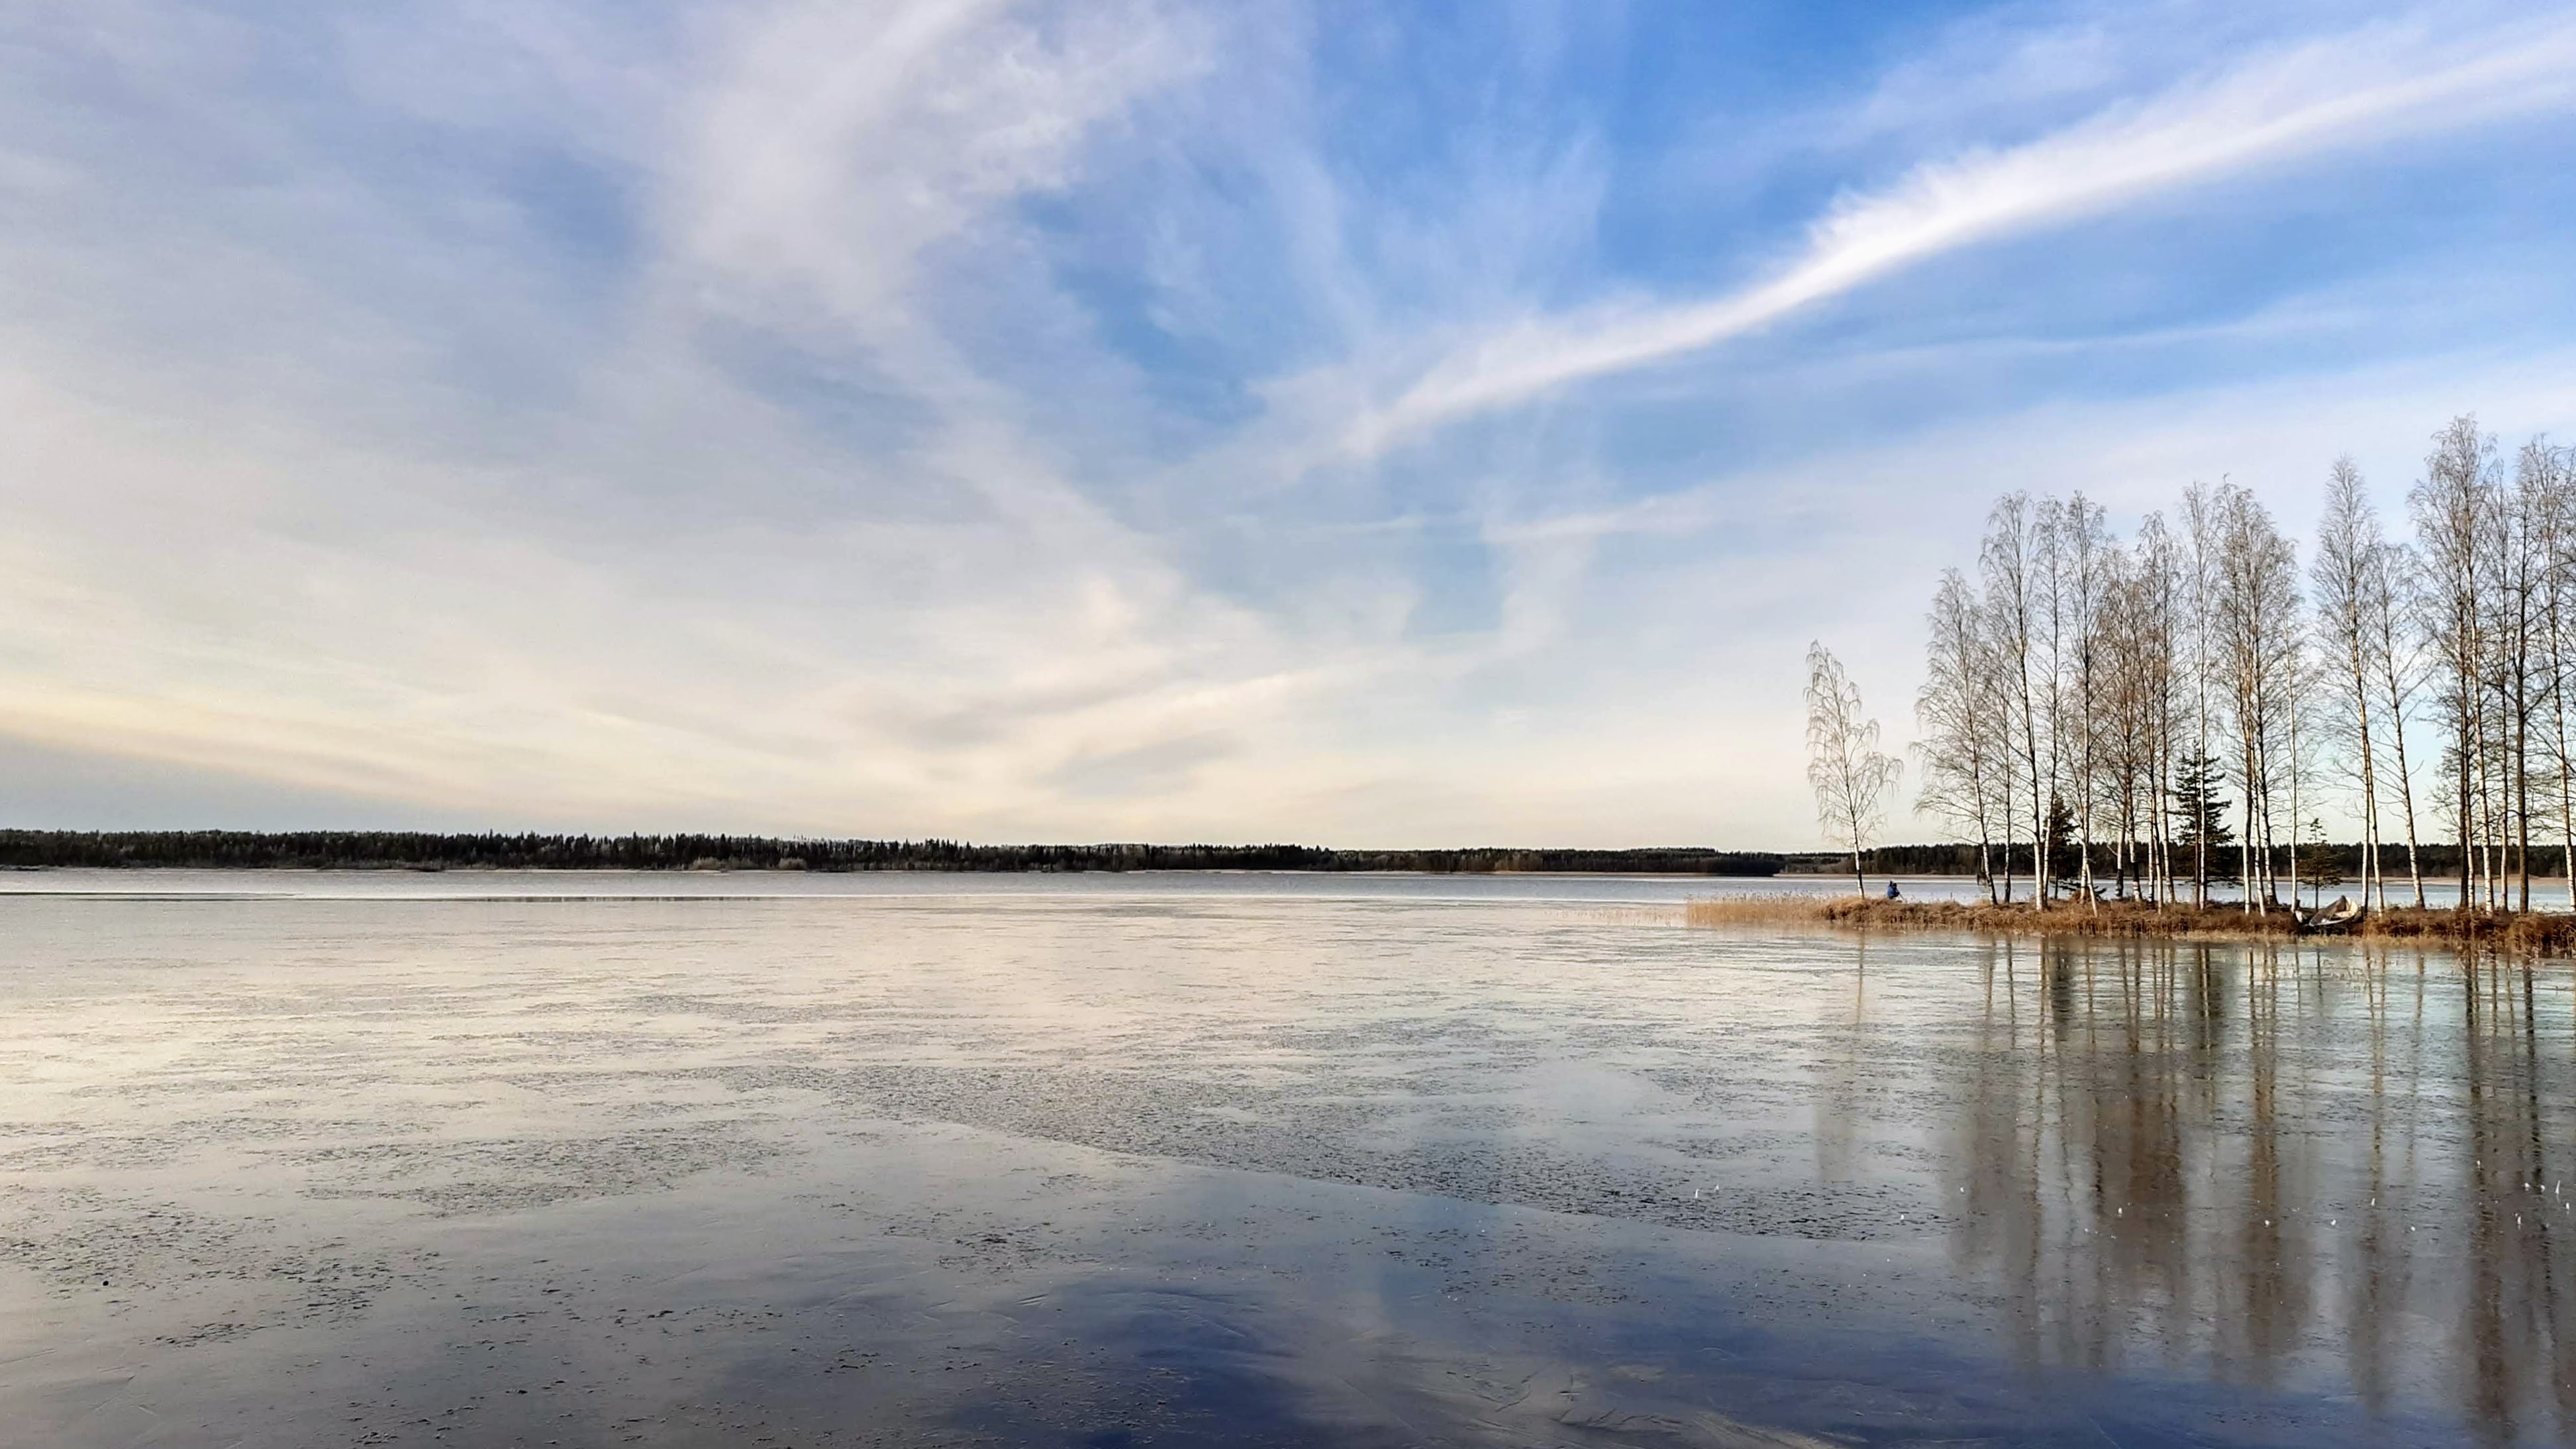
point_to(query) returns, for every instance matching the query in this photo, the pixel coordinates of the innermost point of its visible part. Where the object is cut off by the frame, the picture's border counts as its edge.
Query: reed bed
(2524, 933)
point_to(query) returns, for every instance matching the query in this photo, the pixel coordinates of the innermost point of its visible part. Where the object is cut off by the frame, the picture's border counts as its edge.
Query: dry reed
(2523, 933)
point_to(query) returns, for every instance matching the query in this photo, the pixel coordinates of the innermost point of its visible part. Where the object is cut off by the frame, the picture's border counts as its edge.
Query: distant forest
(407, 850)
(410, 850)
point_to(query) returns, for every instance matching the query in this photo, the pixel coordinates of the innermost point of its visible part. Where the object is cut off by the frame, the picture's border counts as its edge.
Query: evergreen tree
(2065, 858)
(2198, 807)
(2320, 865)
(2200, 814)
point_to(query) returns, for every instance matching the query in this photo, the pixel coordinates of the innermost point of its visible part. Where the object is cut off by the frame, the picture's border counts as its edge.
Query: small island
(2153, 732)
(2531, 933)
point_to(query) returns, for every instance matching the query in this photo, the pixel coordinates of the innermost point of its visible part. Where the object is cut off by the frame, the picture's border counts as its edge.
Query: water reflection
(2262, 1161)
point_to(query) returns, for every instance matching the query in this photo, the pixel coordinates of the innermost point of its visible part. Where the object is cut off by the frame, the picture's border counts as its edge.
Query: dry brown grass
(2527, 933)
(2530, 933)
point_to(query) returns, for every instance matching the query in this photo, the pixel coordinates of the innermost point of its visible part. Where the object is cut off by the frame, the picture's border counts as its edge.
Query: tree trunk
(2522, 800)
(2247, 839)
(2566, 798)
(2468, 806)
(2405, 788)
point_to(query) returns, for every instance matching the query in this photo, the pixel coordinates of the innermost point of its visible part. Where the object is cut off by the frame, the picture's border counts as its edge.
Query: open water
(581, 1160)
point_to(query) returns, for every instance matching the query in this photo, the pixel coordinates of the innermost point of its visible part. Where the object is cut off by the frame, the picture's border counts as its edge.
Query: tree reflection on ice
(2250, 1157)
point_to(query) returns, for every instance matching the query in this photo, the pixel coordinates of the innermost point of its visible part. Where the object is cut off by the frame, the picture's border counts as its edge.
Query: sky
(1248, 421)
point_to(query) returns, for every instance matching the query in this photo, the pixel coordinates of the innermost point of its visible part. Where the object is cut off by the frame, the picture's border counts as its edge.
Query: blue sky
(1246, 421)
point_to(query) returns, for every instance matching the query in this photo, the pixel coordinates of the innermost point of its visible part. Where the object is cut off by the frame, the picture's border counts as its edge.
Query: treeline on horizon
(419, 850)
(2178, 707)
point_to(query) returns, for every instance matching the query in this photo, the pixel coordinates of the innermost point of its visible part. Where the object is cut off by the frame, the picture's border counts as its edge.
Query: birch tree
(2392, 609)
(2557, 527)
(2525, 663)
(2516, 668)
(2158, 576)
(2004, 561)
(2132, 705)
(2255, 606)
(2085, 562)
(2450, 504)
(1966, 767)
(2200, 591)
(1851, 777)
(2348, 540)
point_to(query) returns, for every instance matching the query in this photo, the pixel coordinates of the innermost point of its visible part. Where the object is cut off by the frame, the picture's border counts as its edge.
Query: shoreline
(2535, 933)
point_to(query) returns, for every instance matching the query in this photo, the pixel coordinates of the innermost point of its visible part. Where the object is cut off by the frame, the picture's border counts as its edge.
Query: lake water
(582, 1160)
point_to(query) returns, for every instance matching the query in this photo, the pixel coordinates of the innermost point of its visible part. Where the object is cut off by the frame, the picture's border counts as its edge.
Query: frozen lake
(496, 1158)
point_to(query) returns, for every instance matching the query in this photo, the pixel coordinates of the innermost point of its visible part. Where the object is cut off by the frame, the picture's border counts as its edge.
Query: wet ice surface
(1209, 1160)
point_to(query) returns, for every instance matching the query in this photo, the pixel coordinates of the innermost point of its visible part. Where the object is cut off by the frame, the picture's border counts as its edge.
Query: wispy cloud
(2310, 99)
(833, 143)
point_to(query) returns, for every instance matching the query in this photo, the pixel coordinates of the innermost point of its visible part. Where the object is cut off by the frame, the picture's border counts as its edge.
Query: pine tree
(2200, 813)
(2319, 864)
(2064, 854)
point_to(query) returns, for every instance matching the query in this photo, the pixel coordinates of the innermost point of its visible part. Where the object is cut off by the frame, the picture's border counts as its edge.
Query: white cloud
(833, 144)
(2313, 98)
